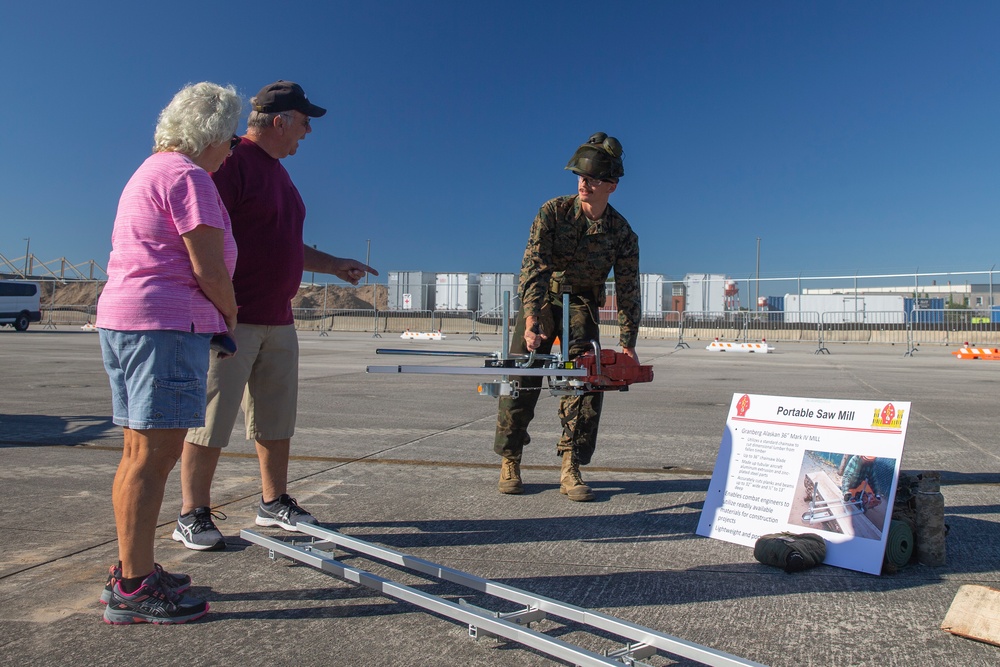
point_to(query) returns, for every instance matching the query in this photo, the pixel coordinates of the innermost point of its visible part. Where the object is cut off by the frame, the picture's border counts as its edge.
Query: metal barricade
(492, 325)
(490, 322)
(309, 319)
(709, 325)
(865, 326)
(398, 321)
(951, 326)
(351, 319)
(660, 326)
(68, 315)
(454, 321)
(772, 326)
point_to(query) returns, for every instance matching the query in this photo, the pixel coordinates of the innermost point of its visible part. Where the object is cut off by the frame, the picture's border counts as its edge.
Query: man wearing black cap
(267, 215)
(575, 242)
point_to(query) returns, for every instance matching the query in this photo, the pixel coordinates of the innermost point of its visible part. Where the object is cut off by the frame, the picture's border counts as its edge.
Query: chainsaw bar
(593, 371)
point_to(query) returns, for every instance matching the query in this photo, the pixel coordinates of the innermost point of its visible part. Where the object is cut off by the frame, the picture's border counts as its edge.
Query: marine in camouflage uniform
(570, 251)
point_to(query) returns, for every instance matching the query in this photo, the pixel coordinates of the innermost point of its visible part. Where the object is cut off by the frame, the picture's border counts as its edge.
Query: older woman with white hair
(169, 291)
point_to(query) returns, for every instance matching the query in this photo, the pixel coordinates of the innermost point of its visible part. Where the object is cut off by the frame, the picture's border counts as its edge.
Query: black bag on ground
(789, 551)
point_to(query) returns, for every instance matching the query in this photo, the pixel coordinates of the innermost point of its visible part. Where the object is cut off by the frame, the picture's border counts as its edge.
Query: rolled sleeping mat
(899, 545)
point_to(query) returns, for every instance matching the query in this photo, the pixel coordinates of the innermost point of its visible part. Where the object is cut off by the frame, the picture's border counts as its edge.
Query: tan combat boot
(510, 477)
(570, 482)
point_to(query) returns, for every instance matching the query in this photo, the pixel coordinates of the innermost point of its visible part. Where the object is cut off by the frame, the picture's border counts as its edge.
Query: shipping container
(845, 308)
(456, 291)
(651, 294)
(934, 308)
(410, 290)
(706, 293)
(491, 293)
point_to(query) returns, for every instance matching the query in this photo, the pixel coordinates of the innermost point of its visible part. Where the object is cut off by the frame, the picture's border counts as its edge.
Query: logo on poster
(742, 406)
(887, 417)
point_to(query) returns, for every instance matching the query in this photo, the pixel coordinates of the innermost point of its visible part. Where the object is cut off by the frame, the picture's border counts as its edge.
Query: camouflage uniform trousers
(580, 415)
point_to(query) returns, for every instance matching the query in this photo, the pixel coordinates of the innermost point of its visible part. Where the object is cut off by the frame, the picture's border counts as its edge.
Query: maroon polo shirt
(267, 214)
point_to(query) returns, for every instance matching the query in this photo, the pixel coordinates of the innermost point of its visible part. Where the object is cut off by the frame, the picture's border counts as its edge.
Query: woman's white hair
(201, 114)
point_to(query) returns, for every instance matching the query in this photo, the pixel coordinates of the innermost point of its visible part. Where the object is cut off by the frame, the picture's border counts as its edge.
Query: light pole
(27, 254)
(368, 253)
(756, 289)
(991, 288)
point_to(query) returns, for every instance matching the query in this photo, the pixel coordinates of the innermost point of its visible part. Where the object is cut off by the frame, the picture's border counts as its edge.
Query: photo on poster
(843, 493)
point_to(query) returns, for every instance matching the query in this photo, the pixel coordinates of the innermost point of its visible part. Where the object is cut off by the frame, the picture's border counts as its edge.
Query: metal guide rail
(857, 501)
(599, 370)
(642, 642)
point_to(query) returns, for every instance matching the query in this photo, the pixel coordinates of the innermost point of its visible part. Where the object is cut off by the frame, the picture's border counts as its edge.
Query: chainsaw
(856, 501)
(593, 371)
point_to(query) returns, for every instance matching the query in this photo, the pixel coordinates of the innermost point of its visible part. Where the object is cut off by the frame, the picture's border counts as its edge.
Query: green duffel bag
(790, 551)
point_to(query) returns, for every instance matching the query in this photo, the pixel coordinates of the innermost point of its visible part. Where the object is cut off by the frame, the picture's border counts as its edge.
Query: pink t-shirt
(151, 283)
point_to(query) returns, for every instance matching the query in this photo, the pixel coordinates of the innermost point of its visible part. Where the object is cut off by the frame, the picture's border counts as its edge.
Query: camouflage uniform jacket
(567, 250)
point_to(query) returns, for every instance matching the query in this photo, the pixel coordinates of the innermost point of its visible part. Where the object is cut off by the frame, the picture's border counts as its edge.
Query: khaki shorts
(262, 379)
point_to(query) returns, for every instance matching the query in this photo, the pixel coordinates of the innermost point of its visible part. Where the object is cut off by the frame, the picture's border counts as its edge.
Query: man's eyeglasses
(234, 142)
(591, 182)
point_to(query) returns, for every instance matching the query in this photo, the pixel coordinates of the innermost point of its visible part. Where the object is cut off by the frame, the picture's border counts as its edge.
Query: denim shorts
(157, 377)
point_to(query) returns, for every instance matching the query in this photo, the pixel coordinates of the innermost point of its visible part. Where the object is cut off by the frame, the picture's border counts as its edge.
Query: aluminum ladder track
(642, 642)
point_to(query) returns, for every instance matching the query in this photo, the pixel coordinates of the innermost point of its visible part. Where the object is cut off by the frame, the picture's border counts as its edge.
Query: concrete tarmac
(406, 461)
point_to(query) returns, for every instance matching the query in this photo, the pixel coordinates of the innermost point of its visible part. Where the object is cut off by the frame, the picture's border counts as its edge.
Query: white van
(20, 303)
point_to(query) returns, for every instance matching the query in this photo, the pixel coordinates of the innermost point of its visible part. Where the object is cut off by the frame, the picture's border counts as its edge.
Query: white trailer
(410, 290)
(491, 290)
(651, 294)
(844, 308)
(456, 291)
(706, 292)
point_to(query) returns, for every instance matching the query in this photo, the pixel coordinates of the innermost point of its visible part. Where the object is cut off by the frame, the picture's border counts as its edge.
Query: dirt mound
(71, 292)
(341, 297)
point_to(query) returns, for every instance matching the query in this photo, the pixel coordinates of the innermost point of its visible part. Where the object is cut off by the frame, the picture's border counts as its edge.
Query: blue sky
(848, 136)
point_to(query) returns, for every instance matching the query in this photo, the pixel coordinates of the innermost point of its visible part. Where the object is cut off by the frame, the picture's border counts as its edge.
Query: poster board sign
(808, 465)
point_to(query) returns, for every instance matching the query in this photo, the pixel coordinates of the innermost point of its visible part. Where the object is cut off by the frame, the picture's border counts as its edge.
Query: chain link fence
(72, 303)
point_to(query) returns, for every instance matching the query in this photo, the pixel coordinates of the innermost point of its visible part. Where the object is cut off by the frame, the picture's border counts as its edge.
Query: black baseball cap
(285, 96)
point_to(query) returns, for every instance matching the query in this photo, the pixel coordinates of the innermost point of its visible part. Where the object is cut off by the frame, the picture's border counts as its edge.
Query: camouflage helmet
(600, 157)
